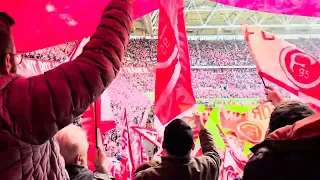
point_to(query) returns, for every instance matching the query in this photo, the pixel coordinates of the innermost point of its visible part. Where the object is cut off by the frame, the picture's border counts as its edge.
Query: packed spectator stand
(210, 82)
(220, 69)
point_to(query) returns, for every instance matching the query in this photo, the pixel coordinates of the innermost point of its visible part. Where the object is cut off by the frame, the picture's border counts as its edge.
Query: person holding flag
(34, 109)
(74, 149)
(291, 148)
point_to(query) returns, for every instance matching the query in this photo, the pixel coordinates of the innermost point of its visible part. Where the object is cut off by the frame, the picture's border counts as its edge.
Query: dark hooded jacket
(291, 152)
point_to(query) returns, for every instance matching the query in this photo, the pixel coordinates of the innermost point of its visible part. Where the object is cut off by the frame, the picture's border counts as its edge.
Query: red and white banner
(173, 91)
(249, 126)
(148, 133)
(284, 64)
(233, 162)
(137, 70)
(31, 67)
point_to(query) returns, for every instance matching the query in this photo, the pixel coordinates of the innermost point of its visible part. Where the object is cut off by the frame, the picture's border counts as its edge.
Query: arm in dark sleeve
(39, 106)
(208, 147)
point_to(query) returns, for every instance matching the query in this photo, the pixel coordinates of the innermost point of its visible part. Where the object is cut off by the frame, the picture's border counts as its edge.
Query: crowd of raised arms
(39, 142)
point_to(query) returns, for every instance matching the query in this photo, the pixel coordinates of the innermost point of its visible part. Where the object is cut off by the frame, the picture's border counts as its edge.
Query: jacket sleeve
(208, 148)
(39, 106)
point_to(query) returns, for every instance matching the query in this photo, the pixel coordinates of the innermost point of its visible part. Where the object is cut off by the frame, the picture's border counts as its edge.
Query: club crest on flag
(300, 68)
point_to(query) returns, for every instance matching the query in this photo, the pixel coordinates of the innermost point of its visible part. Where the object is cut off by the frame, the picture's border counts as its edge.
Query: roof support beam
(148, 24)
(236, 18)
(194, 7)
(261, 26)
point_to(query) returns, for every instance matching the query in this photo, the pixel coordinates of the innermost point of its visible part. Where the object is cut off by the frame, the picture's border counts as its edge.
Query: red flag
(237, 156)
(284, 64)
(150, 134)
(233, 161)
(173, 92)
(88, 123)
(143, 154)
(89, 126)
(128, 139)
(32, 67)
(73, 19)
(77, 49)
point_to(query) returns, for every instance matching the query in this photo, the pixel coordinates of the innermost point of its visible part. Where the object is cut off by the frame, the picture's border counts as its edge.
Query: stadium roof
(208, 18)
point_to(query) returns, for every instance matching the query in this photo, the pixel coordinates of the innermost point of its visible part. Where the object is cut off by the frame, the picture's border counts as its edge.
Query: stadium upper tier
(207, 83)
(143, 52)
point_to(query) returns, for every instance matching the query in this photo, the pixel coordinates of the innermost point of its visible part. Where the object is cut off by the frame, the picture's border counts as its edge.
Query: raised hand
(273, 95)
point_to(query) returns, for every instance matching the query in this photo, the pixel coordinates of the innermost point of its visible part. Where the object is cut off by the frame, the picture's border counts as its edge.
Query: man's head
(8, 59)
(287, 113)
(73, 145)
(178, 139)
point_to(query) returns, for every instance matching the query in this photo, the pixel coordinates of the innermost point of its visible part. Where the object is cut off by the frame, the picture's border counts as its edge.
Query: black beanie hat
(178, 138)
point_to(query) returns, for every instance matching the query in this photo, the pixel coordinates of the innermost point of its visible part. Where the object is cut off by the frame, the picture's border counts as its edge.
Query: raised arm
(39, 106)
(209, 152)
(208, 147)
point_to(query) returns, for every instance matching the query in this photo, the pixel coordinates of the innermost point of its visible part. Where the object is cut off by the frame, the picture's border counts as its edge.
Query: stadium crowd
(38, 140)
(208, 82)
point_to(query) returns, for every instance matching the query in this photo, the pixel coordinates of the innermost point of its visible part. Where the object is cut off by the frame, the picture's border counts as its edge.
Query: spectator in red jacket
(34, 109)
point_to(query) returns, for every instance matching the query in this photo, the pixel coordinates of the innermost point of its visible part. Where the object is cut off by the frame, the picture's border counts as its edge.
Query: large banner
(289, 7)
(244, 125)
(285, 65)
(31, 67)
(45, 23)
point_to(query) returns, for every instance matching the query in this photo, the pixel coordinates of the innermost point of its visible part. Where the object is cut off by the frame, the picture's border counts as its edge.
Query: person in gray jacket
(74, 149)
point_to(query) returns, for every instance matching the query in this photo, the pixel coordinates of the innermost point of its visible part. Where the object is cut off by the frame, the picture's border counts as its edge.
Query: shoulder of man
(262, 151)
(149, 173)
(6, 80)
(260, 165)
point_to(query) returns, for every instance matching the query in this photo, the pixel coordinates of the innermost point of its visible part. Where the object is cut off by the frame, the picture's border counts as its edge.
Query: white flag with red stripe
(284, 64)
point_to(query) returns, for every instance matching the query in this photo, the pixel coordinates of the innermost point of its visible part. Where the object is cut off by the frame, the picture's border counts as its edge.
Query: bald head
(73, 145)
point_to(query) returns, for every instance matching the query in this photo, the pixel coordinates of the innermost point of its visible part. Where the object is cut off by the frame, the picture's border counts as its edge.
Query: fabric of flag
(44, 23)
(75, 19)
(284, 64)
(129, 145)
(289, 7)
(233, 161)
(89, 125)
(94, 125)
(173, 88)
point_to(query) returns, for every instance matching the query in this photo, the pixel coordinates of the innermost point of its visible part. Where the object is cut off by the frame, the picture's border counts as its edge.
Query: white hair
(73, 142)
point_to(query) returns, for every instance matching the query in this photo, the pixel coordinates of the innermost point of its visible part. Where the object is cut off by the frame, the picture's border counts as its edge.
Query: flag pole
(264, 84)
(96, 124)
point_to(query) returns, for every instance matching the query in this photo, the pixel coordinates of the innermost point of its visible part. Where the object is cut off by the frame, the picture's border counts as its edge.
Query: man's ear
(5, 69)
(7, 64)
(79, 160)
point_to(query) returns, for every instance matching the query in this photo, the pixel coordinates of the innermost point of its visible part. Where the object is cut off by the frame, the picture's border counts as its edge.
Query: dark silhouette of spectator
(177, 164)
